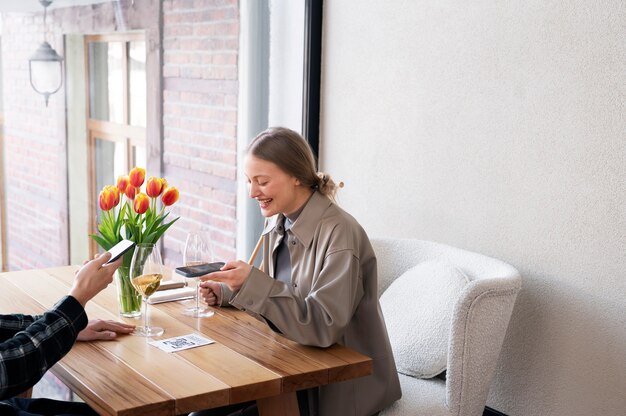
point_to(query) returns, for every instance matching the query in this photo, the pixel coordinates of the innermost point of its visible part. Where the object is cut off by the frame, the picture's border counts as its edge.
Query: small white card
(182, 342)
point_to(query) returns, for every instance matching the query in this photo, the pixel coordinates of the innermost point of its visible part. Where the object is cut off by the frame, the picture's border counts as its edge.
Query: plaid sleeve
(31, 345)
(12, 324)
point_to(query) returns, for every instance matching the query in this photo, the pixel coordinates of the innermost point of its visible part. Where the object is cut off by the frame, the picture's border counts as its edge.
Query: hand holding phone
(120, 249)
(200, 269)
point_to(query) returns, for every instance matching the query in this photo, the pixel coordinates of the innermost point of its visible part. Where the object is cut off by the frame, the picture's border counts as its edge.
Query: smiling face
(274, 189)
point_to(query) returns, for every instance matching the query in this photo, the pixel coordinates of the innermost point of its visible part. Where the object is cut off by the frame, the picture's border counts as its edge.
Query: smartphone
(119, 250)
(200, 269)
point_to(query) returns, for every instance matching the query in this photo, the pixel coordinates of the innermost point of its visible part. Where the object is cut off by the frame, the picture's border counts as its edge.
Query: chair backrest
(480, 318)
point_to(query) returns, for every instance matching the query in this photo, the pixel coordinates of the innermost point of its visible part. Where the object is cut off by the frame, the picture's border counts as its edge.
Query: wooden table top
(127, 376)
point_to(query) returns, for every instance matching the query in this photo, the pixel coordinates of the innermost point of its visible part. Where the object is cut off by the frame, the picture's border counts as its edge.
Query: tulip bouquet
(128, 213)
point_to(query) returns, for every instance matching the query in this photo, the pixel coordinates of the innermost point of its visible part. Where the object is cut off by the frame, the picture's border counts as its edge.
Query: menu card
(182, 342)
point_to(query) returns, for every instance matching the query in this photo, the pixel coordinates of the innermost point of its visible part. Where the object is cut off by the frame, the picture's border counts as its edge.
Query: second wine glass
(197, 251)
(146, 272)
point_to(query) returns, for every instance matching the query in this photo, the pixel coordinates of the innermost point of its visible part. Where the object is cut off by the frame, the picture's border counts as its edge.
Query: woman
(318, 285)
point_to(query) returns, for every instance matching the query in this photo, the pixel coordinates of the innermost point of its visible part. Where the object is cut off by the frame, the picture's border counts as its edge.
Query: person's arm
(26, 356)
(216, 293)
(12, 324)
(319, 319)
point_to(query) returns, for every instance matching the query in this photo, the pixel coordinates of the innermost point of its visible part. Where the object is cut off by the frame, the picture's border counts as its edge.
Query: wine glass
(146, 272)
(197, 252)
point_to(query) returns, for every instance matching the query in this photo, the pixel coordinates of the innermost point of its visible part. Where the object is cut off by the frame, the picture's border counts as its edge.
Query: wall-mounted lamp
(45, 66)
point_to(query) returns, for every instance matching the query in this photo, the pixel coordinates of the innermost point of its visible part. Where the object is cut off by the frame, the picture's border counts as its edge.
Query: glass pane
(106, 82)
(139, 157)
(1, 90)
(110, 163)
(137, 83)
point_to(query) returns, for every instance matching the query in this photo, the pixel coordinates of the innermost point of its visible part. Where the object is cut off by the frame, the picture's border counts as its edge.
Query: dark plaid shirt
(29, 345)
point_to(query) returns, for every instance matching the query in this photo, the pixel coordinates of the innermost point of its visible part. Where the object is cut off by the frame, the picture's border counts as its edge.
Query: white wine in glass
(146, 272)
(197, 252)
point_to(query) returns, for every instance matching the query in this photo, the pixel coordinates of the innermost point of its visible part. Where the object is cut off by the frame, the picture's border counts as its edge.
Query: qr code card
(182, 342)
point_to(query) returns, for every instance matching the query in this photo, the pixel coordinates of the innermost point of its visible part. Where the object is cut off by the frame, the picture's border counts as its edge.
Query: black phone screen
(200, 269)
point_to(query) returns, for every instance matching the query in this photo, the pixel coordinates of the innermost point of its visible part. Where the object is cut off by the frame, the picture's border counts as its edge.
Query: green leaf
(105, 244)
(156, 234)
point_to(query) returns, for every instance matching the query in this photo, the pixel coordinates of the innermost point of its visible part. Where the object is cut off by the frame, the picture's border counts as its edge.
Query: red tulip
(137, 176)
(154, 186)
(170, 196)
(130, 191)
(107, 199)
(115, 192)
(122, 183)
(142, 202)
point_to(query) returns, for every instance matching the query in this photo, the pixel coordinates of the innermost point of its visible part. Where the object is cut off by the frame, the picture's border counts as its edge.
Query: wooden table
(127, 376)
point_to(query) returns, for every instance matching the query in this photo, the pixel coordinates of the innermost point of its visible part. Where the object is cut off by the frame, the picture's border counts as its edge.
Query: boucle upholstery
(479, 322)
(418, 310)
(420, 398)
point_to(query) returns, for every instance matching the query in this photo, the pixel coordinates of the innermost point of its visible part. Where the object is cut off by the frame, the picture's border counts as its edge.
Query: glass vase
(128, 299)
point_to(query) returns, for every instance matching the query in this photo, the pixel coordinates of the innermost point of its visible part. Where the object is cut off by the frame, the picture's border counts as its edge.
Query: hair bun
(326, 185)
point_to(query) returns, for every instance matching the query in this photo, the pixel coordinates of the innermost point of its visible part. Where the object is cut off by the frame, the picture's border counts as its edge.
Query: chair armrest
(479, 323)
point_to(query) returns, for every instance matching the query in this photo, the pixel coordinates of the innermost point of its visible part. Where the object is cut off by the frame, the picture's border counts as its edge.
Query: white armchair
(479, 322)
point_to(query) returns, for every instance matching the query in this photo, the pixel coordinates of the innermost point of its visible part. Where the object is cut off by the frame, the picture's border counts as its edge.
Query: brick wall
(200, 53)
(36, 190)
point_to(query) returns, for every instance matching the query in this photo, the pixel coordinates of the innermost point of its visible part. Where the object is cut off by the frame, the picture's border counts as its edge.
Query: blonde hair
(291, 153)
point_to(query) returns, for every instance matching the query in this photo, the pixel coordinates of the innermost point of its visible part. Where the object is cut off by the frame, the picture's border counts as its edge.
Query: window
(116, 121)
(3, 239)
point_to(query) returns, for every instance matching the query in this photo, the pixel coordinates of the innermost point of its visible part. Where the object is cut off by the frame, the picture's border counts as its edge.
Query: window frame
(110, 131)
(311, 94)
(3, 215)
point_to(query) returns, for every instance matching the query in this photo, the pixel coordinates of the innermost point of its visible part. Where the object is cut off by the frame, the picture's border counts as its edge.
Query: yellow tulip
(137, 176)
(130, 191)
(154, 186)
(142, 202)
(170, 196)
(107, 199)
(122, 183)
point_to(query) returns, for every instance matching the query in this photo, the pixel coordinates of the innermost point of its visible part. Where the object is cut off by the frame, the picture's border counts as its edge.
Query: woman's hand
(211, 292)
(104, 330)
(234, 274)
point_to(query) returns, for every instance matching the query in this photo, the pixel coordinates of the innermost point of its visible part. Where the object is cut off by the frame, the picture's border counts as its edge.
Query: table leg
(27, 394)
(284, 405)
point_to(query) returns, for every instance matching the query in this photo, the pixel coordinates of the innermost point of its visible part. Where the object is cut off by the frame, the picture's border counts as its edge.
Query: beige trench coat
(332, 299)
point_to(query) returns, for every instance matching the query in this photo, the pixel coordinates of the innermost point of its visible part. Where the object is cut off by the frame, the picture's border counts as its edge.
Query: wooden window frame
(3, 215)
(106, 130)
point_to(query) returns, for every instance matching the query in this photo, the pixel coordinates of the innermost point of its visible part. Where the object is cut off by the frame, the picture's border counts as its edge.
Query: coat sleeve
(38, 344)
(319, 318)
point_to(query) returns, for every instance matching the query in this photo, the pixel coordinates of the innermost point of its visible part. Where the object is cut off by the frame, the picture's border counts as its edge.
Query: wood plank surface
(221, 362)
(203, 378)
(297, 371)
(104, 369)
(283, 405)
(343, 364)
(128, 376)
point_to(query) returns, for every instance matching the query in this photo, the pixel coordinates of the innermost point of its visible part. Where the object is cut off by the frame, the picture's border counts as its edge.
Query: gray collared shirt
(282, 271)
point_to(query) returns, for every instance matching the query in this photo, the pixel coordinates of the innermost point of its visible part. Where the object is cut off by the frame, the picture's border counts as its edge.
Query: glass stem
(145, 313)
(197, 293)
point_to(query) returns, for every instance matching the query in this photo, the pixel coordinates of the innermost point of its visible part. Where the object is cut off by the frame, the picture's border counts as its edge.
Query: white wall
(498, 127)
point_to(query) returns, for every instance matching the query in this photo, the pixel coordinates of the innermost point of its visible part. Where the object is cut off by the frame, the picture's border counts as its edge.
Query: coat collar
(304, 227)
